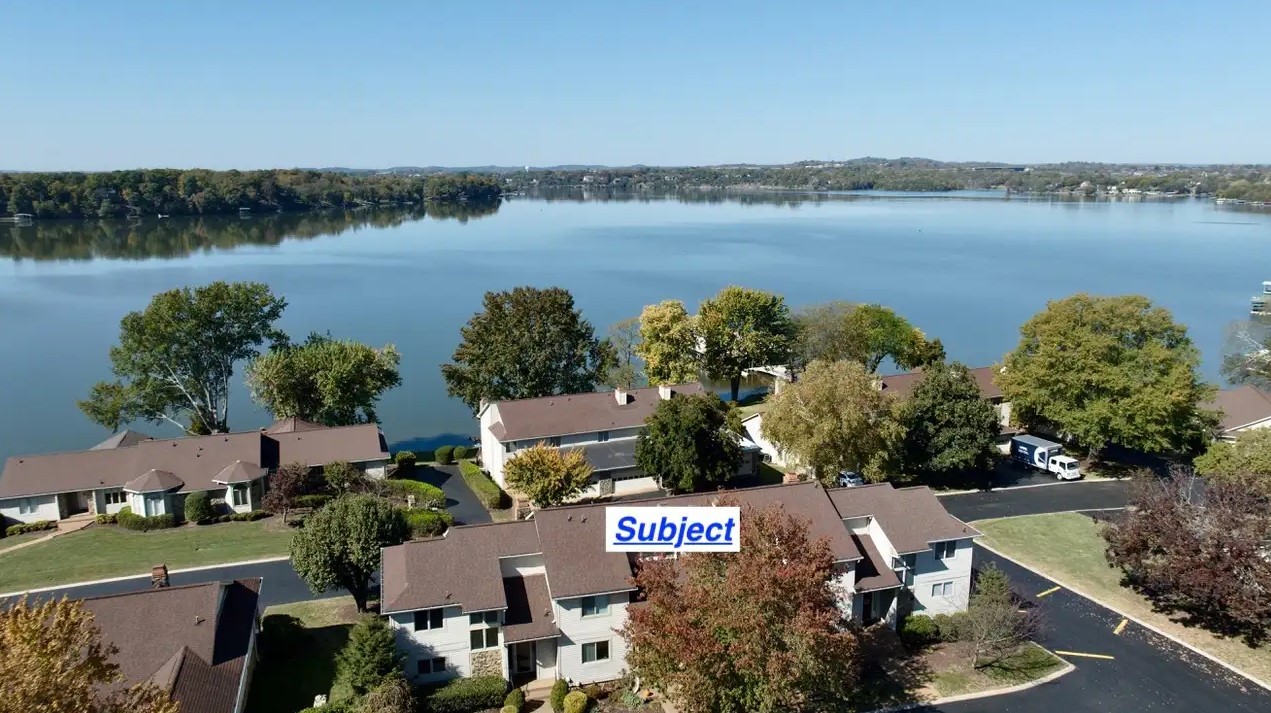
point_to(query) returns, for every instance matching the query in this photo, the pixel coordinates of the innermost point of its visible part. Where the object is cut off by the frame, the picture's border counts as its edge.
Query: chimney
(664, 392)
(159, 576)
(620, 395)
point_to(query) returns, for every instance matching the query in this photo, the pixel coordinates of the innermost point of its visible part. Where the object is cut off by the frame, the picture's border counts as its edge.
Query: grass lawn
(1030, 663)
(1069, 548)
(298, 659)
(102, 551)
(15, 540)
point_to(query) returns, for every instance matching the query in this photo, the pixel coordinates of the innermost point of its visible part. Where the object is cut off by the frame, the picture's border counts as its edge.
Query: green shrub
(631, 700)
(918, 631)
(428, 523)
(198, 507)
(509, 709)
(560, 689)
(282, 636)
(24, 527)
(488, 492)
(141, 523)
(576, 702)
(222, 518)
(515, 700)
(252, 516)
(462, 452)
(369, 655)
(595, 692)
(312, 501)
(426, 496)
(464, 695)
(445, 454)
(405, 459)
(106, 518)
(949, 627)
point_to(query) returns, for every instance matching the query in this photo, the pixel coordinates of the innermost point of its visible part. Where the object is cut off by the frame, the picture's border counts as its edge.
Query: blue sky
(94, 85)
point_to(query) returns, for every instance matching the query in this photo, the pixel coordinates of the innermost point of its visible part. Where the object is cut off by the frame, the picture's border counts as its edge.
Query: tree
(689, 442)
(370, 654)
(1246, 461)
(742, 328)
(526, 343)
(950, 429)
(339, 546)
(547, 475)
(1108, 370)
(1247, 354)
(756, 630)
(625, 338)
(328, 381)
(286, 485)
(835, 418)
(54, 661)
(343, 477)
(994, 626)
(393, 695)
(823, 333)
(174, 359)
(668, 344)
(876, 333)
(1199, 549)
(198, 506)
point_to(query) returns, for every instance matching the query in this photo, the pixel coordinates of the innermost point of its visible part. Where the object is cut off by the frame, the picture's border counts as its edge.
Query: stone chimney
(664, 392)
(621, 396)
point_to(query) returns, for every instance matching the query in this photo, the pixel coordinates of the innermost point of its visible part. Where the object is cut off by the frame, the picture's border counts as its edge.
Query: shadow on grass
(296, 664)
(890, 675)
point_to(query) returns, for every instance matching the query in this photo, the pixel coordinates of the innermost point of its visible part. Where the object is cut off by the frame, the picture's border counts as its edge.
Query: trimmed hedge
(250, 516)
(24, 527)
(465, 695)
(198, 507)
(141, 523)
(576, 702)
(426, 496)
(107, 519)
(949, 627)
(462, 452)
(918, 631)
(445, 455)
(487, 491)
(560, 689)
(515, 700)
(313, 501)
(428, 523)
(405, 459)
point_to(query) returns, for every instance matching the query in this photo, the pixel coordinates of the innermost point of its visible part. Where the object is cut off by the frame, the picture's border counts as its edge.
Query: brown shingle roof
(529, 614)
(459, 569)
(239, 472)
(293, 424)
(902, 384)
(1240, 407)
(153, 481)
(123, 439)
(873, 572)
(527, 419)
(192, 641)
(912, 518)
(197, 461)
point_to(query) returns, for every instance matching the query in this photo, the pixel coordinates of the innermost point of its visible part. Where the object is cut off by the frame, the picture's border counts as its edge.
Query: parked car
(850, 479)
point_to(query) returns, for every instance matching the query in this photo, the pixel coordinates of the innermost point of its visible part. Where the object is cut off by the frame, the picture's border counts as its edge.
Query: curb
(109, 580)
(1134, 619)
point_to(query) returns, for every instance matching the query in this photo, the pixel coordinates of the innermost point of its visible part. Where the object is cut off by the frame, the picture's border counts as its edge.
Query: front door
(523, 657)
(867, 608)
(545, 655)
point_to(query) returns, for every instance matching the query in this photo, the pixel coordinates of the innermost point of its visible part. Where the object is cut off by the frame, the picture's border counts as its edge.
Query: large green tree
(1245, 461)
(334, 382)
(339, 546)
(823, 334)
(668, 343)
(625, 338)
(741, 328)
(950, 429)
(1109, 370)
(548, 475)
(175, 358)
(690, 442)
(526, 343)
(875, 333)
(756, 630)
(370, 654)
(835, 418)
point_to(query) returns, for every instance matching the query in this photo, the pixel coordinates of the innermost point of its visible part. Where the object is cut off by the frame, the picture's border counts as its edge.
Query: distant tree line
(150, 192)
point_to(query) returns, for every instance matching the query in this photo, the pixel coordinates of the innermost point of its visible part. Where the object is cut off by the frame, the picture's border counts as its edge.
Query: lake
(968, 268)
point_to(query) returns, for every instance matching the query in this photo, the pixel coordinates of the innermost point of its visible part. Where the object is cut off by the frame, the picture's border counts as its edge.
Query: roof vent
(447, 595)
(197, 620)
(584, 518)
(664, 392)
(569, 518)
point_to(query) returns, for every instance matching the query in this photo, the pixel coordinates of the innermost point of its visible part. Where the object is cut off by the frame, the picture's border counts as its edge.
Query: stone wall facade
(487, 663)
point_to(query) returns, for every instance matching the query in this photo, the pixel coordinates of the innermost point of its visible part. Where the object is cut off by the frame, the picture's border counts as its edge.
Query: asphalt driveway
(460, 500)
(1060, 497)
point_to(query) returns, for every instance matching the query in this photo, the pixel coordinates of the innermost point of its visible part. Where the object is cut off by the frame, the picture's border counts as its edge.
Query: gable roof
(527, 419)
(192, 641)
(123, 439)
(873, 572)
(292, 424)
(196, 461)
(239, 472)
(1240, 407)
(912, 518)
(529, 614)
(903, 384)
(153, 481)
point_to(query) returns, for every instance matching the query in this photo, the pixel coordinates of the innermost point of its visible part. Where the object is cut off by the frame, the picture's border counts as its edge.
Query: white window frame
(430, 666)
(942, 589)
(489, 618)
(946, 550)
(115, 497)
(235, 492)
(27, 506)
(428, 617)
(599, 605)
(484, 633)
(595, 648)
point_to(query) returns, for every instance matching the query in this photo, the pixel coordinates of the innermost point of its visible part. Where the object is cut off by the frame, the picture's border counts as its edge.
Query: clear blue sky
(280, 83)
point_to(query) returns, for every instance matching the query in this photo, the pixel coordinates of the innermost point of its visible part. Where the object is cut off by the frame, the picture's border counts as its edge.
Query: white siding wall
(45, 508)
(576, 631)
(523, 566)
(374, 468)
(451, 641)
(928, 571)
(109, 508)
(492, 455)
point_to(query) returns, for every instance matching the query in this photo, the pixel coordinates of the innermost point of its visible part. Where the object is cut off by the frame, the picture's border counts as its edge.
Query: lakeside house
(153, 476)
(197, 643)
(603, 424)
(542, 598)
(1241, 409)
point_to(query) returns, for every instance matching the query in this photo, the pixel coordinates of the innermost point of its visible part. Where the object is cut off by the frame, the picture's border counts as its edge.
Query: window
(484, 638)
(945, 550)
(596, 606)
(26, 506)
(239, 494)
(509, 446)
(428, 619)
(602, 436)
(490, 617)
(427, 666)
(115, 497)
(596, 651)
(942, 589)
(554, 441)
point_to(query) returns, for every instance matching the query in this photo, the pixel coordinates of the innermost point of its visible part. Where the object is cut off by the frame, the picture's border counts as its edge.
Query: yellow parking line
(1120, 627)
(1078, 653)
(1052, 590)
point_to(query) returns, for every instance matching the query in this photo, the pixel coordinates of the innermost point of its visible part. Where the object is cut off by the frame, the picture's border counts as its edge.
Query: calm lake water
(968, 269)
